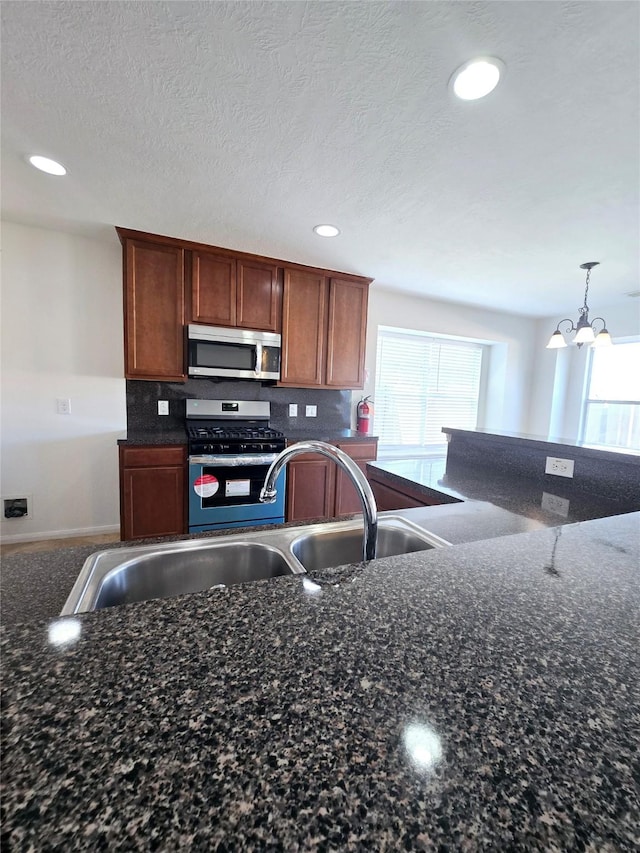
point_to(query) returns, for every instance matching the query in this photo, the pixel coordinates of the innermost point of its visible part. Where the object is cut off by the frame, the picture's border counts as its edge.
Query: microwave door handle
(258, 365)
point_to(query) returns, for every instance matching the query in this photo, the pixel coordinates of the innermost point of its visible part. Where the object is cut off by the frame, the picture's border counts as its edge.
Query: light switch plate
(293, 410)
(311, 411)
(163, 407)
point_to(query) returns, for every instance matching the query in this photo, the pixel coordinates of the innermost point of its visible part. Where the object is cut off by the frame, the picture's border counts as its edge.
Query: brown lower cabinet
(152, 491)
(318, 488)
(390, 497)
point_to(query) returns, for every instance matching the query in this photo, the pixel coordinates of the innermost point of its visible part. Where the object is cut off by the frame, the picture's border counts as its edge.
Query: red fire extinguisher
(365, 411)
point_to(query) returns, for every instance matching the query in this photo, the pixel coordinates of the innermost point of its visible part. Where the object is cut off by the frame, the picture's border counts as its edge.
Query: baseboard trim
(60, 534)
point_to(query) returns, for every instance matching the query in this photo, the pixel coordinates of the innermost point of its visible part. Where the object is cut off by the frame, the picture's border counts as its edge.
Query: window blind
(422, 384)
(611, 416)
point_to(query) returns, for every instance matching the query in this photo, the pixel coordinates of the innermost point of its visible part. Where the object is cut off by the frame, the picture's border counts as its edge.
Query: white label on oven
(237, 488)
(206, 485)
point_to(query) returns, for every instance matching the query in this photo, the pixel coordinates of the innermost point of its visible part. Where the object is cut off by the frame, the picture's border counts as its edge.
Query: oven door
(224, 491)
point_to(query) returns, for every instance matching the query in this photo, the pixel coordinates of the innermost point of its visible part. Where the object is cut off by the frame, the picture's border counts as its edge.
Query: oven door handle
(240, 461)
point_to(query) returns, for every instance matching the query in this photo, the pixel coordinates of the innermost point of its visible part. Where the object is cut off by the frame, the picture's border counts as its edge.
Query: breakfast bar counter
(484, 696)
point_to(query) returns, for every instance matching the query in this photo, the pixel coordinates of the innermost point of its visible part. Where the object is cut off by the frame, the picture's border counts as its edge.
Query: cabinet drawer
(366, 450)
(147, 457)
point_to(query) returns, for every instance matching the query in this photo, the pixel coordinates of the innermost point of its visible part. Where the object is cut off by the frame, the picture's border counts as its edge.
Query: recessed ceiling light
(477, 78)
(51, 167)
(326, 230)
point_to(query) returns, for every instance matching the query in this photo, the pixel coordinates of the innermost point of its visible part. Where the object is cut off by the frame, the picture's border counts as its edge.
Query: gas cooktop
(235, 440)
(231, 426)
(213, 432)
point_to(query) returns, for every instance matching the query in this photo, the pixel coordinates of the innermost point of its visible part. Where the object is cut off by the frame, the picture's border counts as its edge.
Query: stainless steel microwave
(233, 353)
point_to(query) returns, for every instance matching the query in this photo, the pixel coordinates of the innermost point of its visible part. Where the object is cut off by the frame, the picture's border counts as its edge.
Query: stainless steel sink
(339, 544)
(127, 575)
(143, 572)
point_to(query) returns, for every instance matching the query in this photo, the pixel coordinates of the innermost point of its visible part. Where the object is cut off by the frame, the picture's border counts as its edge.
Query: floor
(48, 544)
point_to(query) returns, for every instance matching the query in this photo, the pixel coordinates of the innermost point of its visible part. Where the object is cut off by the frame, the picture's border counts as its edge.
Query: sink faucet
(369, 509)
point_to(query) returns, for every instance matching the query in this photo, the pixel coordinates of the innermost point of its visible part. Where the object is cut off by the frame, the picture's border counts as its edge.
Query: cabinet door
(347, 498)
(213, 289)
(259, 297)
(310, 488)
(303, 329)
(154, 311)
(346, 333)
(152, 492)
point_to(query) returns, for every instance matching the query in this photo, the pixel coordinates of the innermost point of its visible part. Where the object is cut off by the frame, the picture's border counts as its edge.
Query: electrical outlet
(555, 504)
(163, 407)
(559, 467)
(311, 411)
(18, 507)
(293, 410)
(63, 406)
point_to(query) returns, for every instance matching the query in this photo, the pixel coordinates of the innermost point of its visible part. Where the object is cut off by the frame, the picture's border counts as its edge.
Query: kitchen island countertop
(550, 500)
(483, 696)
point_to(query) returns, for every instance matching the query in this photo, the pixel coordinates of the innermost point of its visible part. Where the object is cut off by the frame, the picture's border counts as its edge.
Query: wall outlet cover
(311, 411)
(293, 410)
(63, 406)
(559, 467)
(163, 407)
(19, 506)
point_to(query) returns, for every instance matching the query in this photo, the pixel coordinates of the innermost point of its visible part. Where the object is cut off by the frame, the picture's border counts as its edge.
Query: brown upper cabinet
(169, 283)
(324, 323)
(154, 310)
(346, 333)
(234, 292)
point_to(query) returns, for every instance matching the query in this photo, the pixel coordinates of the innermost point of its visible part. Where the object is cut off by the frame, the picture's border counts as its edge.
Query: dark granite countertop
(618, 455)
(554, 501)
(484, 696)
(157, 436)
(331, 436)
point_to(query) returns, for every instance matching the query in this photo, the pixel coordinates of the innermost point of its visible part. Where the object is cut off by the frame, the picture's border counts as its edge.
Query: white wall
(560, 375)
(62, 337)
(512, 339)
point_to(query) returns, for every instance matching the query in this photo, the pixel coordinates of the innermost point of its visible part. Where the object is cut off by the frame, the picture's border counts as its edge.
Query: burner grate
(227, 433)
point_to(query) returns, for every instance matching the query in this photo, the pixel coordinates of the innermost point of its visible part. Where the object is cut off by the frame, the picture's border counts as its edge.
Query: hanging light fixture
(585, 331)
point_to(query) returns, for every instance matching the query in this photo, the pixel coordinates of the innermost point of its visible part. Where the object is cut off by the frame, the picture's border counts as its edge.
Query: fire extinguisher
(365, 411)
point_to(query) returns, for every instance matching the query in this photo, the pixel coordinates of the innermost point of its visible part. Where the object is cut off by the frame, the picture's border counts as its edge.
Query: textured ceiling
(244, 124)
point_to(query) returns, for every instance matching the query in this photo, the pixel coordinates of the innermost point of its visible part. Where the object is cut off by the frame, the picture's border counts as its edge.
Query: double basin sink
(127, 575)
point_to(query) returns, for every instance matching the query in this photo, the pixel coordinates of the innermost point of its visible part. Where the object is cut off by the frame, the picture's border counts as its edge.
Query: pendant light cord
(585, 307)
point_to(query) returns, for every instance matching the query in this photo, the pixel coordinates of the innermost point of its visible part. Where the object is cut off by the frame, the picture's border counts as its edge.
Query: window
(611, 415)
(422, 384)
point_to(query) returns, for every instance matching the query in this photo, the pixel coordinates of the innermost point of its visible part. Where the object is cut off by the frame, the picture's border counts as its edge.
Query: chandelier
(585, 331)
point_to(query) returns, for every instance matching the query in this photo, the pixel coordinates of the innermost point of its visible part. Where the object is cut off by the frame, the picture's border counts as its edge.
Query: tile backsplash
(333, 407)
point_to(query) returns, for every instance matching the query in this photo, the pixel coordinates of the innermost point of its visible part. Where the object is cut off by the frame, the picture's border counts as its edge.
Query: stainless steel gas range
(231, 446)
